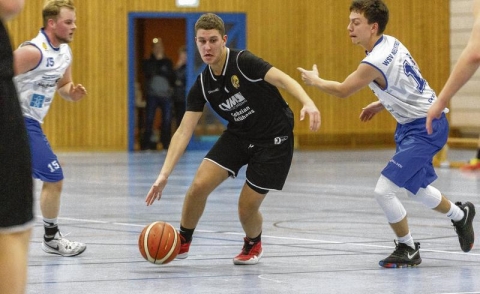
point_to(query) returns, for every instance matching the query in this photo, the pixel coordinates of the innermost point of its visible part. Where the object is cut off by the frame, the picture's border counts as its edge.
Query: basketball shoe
(184, 247)
(402, 256)
(251, 253)
(62, 246)
(464, 227)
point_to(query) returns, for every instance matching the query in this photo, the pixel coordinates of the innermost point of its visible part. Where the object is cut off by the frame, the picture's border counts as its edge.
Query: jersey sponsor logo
(242, 113)
(37, 101)
(280, 140)
(235, 81)
(45, 84)
(233, 102)
(390, 57)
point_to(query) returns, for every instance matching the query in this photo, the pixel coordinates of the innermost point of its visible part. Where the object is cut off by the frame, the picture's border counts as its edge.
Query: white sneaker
(62, 246)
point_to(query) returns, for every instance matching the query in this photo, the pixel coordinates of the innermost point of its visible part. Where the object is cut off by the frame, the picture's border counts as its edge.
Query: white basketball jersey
(36, 88)
(407, 95)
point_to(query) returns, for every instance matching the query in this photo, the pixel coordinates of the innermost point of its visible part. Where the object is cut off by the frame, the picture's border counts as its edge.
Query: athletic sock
(186, 233)
(455, 213)
(407, 240)
(256, 239)
(51, 228)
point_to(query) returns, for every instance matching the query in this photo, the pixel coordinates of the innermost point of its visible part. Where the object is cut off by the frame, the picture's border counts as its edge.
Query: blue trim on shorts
(411, 166)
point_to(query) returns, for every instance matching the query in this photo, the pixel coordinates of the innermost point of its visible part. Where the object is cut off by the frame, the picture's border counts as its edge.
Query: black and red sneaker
(402, 256)
(184, 247)
(251, 253)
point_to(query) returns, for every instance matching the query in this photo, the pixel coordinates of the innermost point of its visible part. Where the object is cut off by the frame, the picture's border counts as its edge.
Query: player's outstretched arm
(466, 66)
(357, 80)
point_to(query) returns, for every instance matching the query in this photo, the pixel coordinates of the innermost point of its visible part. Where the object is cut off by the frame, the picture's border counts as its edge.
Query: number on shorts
(53, 166)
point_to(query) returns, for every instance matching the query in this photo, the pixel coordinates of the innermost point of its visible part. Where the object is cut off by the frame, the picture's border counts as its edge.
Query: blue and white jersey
(407, 95)
(36, 88)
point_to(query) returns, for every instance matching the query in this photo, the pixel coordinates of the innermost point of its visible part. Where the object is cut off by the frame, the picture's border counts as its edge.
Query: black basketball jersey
(16, 191)
(254, 109)
(6, 56)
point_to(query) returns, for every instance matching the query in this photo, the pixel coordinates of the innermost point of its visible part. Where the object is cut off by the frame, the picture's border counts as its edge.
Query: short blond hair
(51, 9)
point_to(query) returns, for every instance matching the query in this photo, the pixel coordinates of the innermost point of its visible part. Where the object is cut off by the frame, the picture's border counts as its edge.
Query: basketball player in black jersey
(16, 190)
(242, 89)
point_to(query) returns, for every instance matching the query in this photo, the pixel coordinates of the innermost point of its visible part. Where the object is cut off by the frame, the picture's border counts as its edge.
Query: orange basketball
(159, 242)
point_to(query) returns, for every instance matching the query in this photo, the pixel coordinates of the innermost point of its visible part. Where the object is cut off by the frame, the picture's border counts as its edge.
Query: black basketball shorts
(16, 189)
(267, 165)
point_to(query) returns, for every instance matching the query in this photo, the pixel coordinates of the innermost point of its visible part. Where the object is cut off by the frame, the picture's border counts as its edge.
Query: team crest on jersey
(44, 46)
(235, 81)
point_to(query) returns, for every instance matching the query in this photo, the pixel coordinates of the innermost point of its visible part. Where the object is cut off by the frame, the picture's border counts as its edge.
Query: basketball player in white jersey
(393, 75)
(42, 67)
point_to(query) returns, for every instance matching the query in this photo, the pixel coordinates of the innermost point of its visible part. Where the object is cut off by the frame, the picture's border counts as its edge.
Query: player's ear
(375, 28)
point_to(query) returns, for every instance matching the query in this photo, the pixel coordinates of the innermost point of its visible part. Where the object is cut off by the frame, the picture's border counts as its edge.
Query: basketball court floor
(324, 233)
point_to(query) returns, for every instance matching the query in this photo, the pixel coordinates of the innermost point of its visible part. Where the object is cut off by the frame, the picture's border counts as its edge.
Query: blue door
(235, 25)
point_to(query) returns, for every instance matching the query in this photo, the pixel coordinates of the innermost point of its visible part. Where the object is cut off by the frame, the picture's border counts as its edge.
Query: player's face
(64, 26)
(359, 30)
(211, 46)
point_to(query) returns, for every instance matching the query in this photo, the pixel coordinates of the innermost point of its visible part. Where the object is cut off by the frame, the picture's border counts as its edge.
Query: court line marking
(268, 236)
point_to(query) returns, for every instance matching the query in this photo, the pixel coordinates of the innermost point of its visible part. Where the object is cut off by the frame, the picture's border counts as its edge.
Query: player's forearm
(331, 87)
(466, 66)
(298, 92)
(64, 91)
(176, 149)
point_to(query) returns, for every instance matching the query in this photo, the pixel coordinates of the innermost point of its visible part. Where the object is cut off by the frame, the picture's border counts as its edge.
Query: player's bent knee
(385, 187)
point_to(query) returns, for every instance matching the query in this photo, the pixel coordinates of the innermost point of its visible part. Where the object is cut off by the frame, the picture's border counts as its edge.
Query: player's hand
(309, 76)
(313, 114)
(77, 92)
(369, 111)
(434, 112)
(156, 190)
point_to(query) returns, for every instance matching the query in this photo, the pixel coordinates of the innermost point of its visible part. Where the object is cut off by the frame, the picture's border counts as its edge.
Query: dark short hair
(373, 10)
(210, 21)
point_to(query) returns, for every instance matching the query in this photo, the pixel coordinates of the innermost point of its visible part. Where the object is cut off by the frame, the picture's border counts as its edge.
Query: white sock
(408, 240)
(49, 222)
(455, 213)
